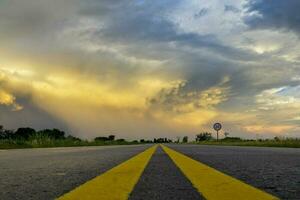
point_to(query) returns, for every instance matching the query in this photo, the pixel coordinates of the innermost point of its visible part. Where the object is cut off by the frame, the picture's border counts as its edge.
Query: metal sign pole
(217, 127)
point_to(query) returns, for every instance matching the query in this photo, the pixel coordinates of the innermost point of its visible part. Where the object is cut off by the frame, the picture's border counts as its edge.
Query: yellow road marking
(115, 184)
(214, 185)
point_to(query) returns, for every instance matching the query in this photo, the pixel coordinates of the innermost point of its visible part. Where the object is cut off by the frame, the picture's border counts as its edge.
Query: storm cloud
(131, 67)
(273, 14)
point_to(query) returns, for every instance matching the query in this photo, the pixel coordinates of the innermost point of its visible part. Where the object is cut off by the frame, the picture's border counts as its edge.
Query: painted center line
(214, 185)
(115, 184)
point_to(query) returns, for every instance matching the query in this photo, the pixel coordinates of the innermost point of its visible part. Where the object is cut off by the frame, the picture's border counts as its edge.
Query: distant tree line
(162, 140)
(27, 133)
(104, 139)
(143, 141)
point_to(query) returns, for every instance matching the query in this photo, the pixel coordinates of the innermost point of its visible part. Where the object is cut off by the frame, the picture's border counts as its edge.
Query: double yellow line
(119, 182)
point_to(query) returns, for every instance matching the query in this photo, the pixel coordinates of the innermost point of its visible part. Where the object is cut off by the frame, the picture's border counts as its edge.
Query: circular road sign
(217, 126)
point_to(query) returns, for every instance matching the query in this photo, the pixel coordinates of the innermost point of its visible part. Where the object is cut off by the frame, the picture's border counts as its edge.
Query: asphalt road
(49, 173)
(163, 180)
(275, 170)
(40, 174)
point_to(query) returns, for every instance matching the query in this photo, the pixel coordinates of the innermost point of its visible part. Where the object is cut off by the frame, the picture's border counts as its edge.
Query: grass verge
(291, 143)
(46, 143)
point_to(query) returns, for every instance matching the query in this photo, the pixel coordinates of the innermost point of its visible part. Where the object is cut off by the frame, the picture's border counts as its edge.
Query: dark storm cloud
(114, 42)
(130, 23)
(31, 116)
(144, 23)
(274, 14)
(141, 25)
(143, 31)
(33, 19)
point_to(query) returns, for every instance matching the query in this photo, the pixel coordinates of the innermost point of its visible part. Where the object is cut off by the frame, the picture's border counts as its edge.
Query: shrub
(111, 138)
(232, 139)
(161, 140)
(54, 133)
(101, 139)
(203, 136)
(185, 139)
(72, 138)
(142, 141)
(24, 133)
(6, 134)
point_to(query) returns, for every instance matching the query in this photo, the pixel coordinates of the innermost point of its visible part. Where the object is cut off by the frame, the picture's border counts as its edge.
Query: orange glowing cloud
(9, 100)
(274, 129)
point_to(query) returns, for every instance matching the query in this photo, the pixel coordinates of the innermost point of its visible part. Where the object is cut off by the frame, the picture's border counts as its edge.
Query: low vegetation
(30, 138)
(207, 139)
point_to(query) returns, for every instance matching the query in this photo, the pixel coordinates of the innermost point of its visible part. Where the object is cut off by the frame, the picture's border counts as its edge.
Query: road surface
(142, 172)
(275, 170)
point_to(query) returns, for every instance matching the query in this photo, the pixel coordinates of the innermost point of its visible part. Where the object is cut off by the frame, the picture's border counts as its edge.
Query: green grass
(292, 143)
(44, 142)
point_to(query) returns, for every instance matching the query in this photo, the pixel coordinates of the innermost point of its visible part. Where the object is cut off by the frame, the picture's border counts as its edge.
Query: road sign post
(217, 127)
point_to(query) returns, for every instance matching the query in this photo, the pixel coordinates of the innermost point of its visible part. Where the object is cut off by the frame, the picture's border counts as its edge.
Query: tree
(6, 134)
(9, 134)
(28, 133)
(70, 137)
(111, 138)
(58, 134)
(24, 133)
(161, 140)
(142, 141)
(203, 136)
(277, 138)
(101, 139)
(185, 139)
(53, 134)
(1, 132)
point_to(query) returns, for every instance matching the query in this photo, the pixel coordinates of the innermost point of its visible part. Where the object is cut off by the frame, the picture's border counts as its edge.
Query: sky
(145, 69)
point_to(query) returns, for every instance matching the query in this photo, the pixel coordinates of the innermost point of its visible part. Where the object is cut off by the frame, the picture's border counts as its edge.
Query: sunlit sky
(150, 68)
